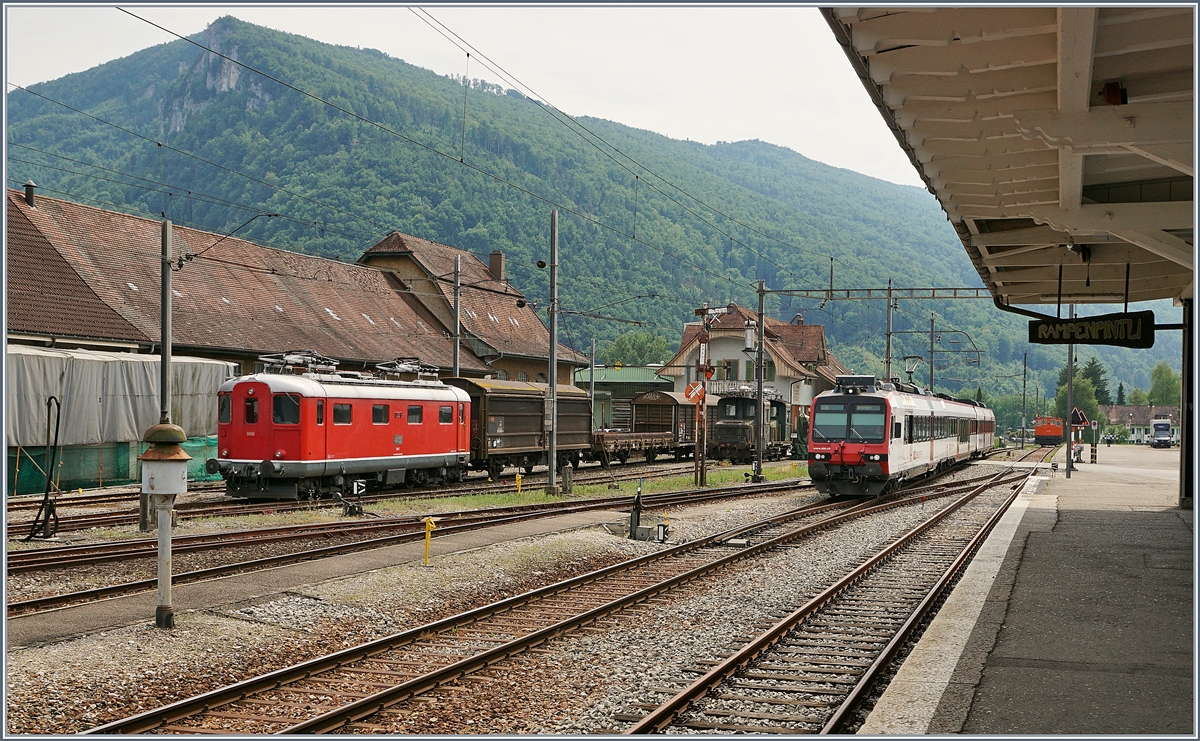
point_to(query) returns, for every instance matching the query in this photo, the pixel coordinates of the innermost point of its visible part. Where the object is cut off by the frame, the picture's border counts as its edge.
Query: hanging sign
(1130, 329)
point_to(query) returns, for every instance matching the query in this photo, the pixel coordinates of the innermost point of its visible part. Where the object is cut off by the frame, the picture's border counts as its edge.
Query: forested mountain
(472, 165)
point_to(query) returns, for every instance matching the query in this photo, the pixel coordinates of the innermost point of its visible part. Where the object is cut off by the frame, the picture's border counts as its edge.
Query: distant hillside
(340, 184)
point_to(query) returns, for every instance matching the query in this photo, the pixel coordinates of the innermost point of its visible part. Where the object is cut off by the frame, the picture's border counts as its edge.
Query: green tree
(1120, 394)
(1083, 396)
(1165, 387)
(1095, 372)
(1138, 398)
(636, 348)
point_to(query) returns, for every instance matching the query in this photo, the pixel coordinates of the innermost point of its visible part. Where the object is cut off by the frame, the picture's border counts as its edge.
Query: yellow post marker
(518, 484)
(429, 528)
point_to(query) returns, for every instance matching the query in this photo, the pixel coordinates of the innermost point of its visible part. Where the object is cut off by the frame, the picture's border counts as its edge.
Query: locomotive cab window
(897, 427)
(379, 414)
(285, 409)
(341, 414)
(320, 411)
(868, 422)
(445, 415)
(251, 411)
(224, 409)
(829, 421)
(414, 414)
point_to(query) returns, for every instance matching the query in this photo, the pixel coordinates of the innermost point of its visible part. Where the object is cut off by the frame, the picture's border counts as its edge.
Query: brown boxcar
(509, 425)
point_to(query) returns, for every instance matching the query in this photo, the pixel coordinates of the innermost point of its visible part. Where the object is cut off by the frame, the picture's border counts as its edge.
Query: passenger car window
(224, 409)
(251, 411)
(285, 409)
(341, 414)
(445, 415)
(379, 414)
(414, 415)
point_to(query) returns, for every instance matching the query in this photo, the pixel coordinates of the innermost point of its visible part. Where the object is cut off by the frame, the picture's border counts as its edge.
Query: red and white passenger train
(868, 437)
(301, 436)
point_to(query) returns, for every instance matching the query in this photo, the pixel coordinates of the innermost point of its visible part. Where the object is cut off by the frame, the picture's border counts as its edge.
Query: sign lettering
(1134, 329)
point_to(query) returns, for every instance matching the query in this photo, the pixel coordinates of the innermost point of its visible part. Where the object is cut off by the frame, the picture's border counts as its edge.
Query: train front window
(829, 421)
(251, 411)
(285, 409)
(856, 422)
(224, 409)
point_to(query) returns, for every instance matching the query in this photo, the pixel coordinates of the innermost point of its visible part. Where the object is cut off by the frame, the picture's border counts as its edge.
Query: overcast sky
(701, 73)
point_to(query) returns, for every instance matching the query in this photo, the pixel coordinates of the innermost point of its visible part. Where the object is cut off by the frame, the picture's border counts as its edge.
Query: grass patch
(720, 476)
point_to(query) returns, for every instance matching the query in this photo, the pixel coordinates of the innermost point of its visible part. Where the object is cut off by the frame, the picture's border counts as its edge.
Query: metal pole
(457, 309)
(760, 371)
(931, 352)
(887, 357)
(1070, 399)
(592, 383)
(552, 452)
(1024, 370)
(1187, 463)
(164, 416)
(164, 614)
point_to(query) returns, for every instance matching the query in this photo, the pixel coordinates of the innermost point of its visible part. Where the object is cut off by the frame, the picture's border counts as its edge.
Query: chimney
(496, 264)
(29, 186)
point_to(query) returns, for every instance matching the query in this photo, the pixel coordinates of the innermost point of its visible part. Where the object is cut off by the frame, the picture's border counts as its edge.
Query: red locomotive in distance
(869, 437)
(1047, 431)
(299, 436)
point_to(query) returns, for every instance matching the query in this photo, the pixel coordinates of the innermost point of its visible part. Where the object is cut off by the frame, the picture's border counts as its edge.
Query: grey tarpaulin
(106, 396)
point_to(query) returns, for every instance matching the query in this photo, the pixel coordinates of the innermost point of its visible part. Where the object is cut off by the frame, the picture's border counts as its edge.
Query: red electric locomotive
(867, 437)
(299, 436)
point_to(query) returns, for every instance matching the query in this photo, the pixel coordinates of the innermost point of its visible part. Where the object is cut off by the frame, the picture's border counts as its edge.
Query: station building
(798, 363)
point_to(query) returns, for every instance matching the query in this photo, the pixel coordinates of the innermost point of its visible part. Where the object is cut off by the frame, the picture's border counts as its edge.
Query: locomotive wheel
(650, 456)
(494, 468)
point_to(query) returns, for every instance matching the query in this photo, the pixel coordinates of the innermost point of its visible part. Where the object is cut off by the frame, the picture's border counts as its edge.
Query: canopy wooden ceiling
(1053, 138)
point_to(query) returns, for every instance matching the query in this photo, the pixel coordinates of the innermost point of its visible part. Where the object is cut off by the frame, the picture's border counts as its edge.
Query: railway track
(342, 691)
(809, 672)
(193, 510)
(355, 536)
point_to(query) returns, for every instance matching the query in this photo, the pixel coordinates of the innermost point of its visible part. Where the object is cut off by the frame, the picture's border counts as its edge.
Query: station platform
(1075, 617)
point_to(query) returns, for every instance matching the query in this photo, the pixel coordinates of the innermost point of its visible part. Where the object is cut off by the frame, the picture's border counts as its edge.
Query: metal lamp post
(164, 476)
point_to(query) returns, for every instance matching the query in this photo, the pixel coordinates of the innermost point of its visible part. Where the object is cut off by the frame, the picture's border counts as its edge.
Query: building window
(414, 414)
(379, 414)
(770, 375)
(502, 375)
(541, 378)
(749, 370)
(522, 376)
(728, 370)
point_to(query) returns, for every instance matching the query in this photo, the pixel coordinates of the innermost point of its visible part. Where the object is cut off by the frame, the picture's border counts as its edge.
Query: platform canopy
(1053, 138)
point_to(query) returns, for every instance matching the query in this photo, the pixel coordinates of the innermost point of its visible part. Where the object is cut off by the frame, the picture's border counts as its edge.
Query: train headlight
(278, 453)
(224, 452)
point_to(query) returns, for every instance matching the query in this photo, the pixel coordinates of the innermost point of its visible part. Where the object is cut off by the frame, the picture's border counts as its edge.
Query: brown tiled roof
(241, 296)
(1142, 415)
(46, 296)
(490, 310)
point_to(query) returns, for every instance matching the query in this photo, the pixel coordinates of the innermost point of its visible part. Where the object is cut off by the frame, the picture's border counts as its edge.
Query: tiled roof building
(511, 339)
(79, 273)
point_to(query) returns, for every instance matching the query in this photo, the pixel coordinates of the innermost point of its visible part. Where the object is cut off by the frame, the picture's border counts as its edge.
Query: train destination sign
(1129, 329)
